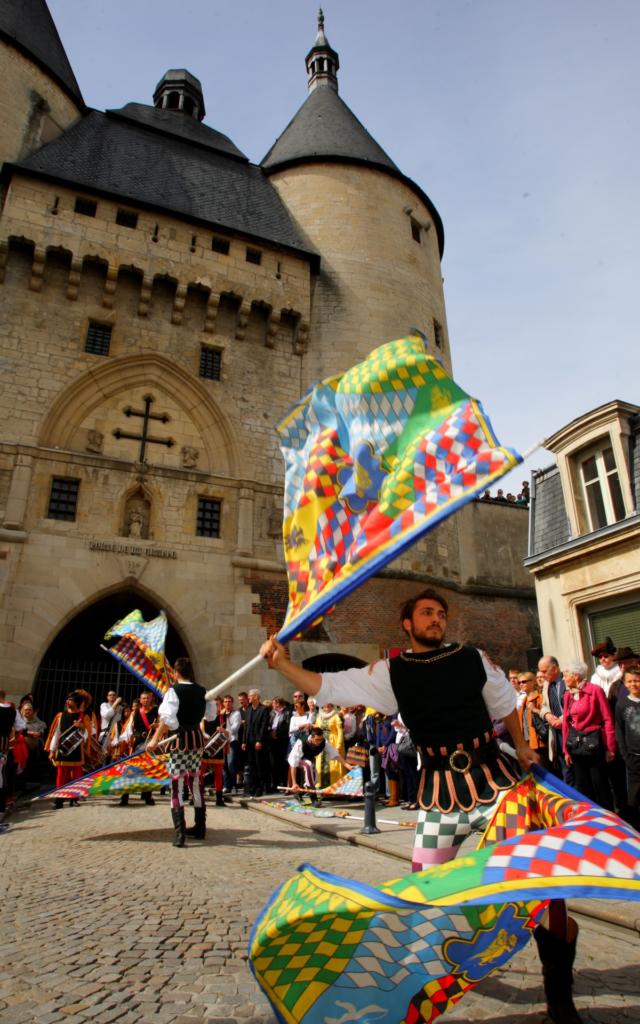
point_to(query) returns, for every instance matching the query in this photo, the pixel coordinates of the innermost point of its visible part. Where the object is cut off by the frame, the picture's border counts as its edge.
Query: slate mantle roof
(180, 125)
(28, 26)
(325, 130)
(193, 172)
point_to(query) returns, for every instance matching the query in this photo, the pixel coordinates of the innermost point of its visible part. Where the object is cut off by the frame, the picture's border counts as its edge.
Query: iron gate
(57, 677)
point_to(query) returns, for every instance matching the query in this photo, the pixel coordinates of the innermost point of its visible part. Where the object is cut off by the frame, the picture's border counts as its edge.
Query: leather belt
(460, 761)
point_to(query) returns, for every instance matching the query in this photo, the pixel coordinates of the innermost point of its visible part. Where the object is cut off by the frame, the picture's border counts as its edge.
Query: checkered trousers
(438, 835)
(181, 761)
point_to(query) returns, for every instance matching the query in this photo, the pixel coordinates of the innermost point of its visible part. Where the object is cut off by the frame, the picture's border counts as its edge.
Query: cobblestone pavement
(103, 920)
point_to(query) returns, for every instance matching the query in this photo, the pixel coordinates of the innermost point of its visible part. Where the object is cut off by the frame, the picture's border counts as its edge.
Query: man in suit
(256, 744)
(279, 741)
(551, 711)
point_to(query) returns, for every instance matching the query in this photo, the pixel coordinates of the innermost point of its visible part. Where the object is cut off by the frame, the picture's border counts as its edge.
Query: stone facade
(164, 293)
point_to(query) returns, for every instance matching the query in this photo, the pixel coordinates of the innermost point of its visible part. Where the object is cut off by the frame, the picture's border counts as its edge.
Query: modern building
(164, 302)
(584, 541)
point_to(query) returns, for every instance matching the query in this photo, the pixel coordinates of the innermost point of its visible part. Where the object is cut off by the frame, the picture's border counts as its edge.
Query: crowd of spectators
(522, 498)
(586, 726)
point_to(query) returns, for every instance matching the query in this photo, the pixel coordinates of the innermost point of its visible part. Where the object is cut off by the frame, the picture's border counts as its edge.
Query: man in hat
(448, 695)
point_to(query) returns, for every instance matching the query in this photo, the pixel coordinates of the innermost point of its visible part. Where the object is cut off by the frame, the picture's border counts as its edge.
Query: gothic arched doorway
(75, 658)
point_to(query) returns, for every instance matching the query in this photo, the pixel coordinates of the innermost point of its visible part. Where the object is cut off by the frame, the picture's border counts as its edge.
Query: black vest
(310, 752)
(191, 705)
(439, 695)
(140, 731)
(7, 718)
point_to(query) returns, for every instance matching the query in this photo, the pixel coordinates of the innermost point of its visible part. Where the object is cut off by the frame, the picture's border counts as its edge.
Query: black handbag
(583, 744)
(406, 746)
(541, 728)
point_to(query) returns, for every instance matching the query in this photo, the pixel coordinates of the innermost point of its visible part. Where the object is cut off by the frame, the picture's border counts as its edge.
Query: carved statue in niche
(137, 514)
(190, 457)
(95, 441)
(274, 522)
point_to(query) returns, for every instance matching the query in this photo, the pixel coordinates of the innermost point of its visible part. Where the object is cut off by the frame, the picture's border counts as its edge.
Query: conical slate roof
(28, 26)
(326, 130)
(325, 127)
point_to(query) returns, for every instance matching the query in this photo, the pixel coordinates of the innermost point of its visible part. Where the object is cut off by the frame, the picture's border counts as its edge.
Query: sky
(519, 119)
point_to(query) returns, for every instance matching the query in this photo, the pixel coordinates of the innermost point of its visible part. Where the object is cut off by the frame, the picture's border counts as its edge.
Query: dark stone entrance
(75, 658)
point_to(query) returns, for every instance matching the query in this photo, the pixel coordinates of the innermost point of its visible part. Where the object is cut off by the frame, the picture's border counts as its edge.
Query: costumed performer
(7, 720)
(182, 709)
(137, 730)
(68, 740)
(305, 754)
(447, 695)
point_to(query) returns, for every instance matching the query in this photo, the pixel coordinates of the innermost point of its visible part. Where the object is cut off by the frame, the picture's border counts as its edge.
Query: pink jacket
(590, 711)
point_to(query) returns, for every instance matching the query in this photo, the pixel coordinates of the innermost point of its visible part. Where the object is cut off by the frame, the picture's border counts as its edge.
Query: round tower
(379, 236)
(40, 96)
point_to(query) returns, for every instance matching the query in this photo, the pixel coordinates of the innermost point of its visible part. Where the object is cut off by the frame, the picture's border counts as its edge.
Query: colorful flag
(326, 949)
(373, 459)
(349, 785)
(141, 648)
(132, 774)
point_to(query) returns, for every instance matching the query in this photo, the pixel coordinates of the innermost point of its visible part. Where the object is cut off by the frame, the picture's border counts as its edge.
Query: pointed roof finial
(322, 61)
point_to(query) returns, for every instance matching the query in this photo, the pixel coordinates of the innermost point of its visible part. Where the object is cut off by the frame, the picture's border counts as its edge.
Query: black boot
(58, 803)
(177, 816)
(124, 800)
(199, 829)
(557, 956)
(220, 799)
(148, 799)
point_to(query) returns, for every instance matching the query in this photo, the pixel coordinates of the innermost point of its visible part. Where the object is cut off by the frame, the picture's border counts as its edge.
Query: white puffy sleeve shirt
(168, 710)
(371, 685)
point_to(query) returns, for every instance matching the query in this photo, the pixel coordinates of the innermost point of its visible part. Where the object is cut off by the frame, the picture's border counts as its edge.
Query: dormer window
(601, 486)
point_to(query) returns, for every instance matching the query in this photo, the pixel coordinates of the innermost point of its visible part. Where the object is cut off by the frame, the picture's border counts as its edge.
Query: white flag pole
(539, 444)
(210, 694)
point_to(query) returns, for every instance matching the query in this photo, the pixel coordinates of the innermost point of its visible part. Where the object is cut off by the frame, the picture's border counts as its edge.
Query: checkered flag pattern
(349, 785)
(412, 947)
(374, 459)
(141, 650)
(131, 774)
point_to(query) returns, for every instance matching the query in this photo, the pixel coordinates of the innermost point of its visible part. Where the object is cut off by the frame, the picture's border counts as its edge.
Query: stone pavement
(103, 920)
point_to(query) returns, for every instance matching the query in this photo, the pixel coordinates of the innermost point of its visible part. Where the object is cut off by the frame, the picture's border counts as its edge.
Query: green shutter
(622, 624)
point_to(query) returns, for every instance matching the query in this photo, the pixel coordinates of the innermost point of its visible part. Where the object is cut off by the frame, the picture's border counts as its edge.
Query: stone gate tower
(381, 238)
(164, 301)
